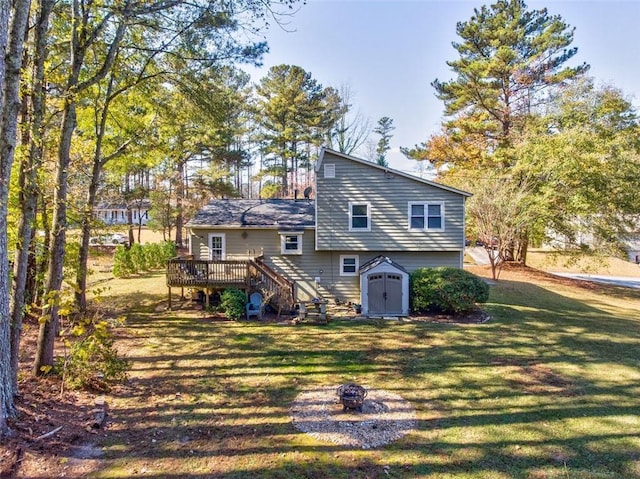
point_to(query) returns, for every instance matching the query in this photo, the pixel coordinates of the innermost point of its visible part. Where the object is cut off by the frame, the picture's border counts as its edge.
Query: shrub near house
(233, 303)
(446, 290)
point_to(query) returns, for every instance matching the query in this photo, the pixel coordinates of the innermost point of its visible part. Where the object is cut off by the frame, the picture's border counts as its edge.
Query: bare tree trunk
(81, 38)
(87, 217)
(179, 203)
(28, 180)
(522, 247)
(42, 260)
(13, 22)
(6, 393)
(50, 323)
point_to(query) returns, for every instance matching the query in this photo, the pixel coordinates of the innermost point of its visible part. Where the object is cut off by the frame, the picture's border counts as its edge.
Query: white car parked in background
(109, 239)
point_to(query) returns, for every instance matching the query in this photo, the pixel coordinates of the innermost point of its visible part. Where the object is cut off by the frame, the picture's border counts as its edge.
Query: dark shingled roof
(278, 213)
(372, 263)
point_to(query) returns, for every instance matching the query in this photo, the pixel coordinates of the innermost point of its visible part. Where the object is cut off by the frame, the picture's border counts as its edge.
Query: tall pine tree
(294, 111)
(509, 59)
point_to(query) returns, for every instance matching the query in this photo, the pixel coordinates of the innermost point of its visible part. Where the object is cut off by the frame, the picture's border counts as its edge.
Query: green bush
(233, 302)
(92, 361)
(155, 258)
(169, 250)
(446, 290)
(140, 258)
(122, 263)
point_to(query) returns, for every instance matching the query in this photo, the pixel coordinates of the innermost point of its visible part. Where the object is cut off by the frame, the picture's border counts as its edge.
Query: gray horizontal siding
(301, 269)
(389, 195)
(304, 269)
(347, 288)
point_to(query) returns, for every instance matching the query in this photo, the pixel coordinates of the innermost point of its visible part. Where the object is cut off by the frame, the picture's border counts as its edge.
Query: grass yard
(549, 388)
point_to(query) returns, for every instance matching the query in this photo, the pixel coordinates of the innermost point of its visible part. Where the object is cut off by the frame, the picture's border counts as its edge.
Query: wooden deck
(246, 275)
(193, 273)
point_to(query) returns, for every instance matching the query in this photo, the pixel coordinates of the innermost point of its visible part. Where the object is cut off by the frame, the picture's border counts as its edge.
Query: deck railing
(198, 272)
(242, 274)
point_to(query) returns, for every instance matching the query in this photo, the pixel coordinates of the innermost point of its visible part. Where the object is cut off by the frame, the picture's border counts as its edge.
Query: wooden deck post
(169, 297)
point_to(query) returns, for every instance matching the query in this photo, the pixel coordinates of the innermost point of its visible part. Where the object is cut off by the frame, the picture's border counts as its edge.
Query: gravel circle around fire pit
(385, 417)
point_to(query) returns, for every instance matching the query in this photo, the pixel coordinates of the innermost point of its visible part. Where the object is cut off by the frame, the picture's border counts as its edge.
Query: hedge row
(138, 258)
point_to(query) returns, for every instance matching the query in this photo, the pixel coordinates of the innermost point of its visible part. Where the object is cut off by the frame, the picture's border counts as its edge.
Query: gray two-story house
(356, 238)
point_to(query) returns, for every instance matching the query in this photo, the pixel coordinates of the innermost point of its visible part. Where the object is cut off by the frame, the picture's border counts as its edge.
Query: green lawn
(549, 388)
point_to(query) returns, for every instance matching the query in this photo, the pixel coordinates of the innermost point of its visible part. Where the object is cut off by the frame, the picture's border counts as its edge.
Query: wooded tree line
(131, 100)
(550, 155)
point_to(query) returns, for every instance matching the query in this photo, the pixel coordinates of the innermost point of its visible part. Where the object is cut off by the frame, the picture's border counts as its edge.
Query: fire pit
(351, 396)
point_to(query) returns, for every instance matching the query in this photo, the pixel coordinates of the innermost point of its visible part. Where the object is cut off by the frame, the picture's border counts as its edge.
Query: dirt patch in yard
(53, 433)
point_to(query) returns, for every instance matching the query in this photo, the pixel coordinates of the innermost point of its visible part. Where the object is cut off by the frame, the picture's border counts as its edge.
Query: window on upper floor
(426, 216)
(349, 265)
(291, 243)
(359, 216)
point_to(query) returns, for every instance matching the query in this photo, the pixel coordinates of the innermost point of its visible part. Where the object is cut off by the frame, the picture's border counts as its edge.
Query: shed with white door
(384, 288)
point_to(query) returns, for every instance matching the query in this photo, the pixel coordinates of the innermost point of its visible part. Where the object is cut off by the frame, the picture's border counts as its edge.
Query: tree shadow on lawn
(507, 396)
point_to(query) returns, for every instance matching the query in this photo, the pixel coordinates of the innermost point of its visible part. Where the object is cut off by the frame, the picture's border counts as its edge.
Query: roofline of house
(386, 169)
(251, 227)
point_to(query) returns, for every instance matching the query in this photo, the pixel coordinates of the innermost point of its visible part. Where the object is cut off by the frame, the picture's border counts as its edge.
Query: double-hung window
(217, 246)
(426, 216)
(359, 216)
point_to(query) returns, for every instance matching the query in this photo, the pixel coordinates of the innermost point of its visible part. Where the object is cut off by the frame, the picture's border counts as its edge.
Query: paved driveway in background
(479, 254)
(624, 281)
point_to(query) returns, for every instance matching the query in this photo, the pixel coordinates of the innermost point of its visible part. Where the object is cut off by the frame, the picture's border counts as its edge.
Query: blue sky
(388, 53)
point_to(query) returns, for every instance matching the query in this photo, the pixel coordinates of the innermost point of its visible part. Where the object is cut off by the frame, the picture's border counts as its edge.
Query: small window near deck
(291, 243)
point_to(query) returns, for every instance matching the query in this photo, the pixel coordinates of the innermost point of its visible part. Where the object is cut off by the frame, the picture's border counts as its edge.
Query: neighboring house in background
(116, 213)
(630, 242)
(357, 241)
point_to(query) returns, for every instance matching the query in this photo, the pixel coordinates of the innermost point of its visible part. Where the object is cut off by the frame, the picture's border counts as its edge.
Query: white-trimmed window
(330, 170)
(217, 246)
(426, 216)
(291, 243)
(349, 265)
(359, 216)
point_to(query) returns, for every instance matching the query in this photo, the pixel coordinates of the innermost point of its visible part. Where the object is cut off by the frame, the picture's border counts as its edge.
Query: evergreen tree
(384, 129)
(295, 112)
(510, 57)
(511, 60)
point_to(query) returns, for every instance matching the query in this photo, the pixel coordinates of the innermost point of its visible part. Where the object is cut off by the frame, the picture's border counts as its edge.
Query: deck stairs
(247, 275)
